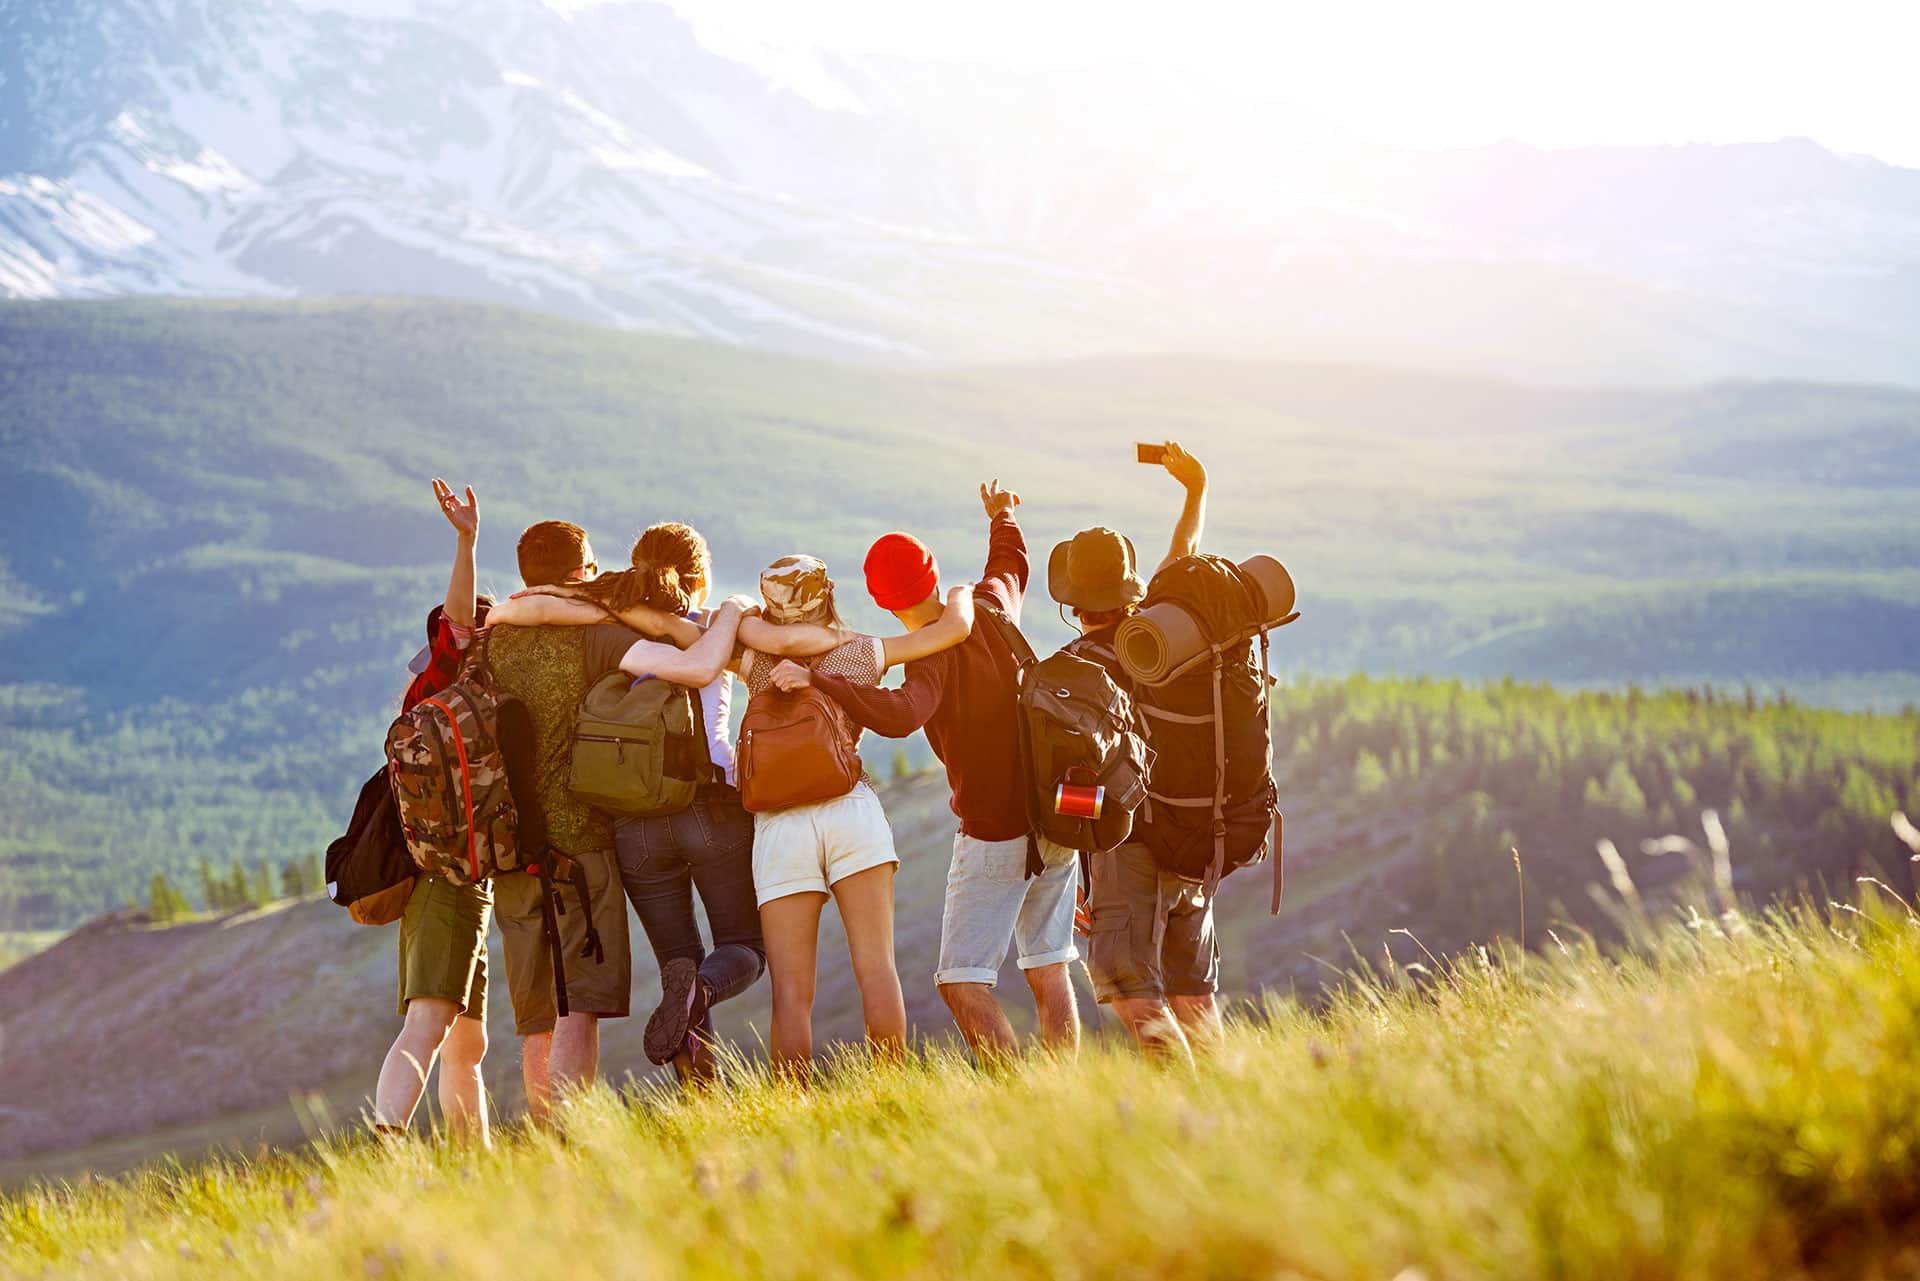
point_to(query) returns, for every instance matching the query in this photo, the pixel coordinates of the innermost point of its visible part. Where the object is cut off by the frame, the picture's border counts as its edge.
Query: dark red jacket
(965, 698)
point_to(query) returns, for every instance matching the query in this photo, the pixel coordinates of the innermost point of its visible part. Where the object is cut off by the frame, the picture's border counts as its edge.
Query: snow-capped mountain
(612, 164)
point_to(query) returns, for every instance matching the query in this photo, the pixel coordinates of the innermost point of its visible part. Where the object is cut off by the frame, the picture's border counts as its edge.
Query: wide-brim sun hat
(1095, 571)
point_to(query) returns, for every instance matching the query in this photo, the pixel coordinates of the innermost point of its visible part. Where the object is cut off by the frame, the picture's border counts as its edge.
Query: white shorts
(809, 848)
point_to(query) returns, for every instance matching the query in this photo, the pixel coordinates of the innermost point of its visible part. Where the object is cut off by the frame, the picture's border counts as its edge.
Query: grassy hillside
(1730, 1099)
(215, 553)
(1404, 799)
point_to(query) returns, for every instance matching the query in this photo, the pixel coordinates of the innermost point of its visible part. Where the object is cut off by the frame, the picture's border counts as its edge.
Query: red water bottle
(1076, 800)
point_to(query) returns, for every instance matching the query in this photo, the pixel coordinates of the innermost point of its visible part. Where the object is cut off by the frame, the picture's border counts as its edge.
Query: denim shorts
(991, 903)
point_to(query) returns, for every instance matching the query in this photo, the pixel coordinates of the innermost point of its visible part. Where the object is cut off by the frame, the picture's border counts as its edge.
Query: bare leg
(982, 1022)
(463, 1091)
(866, 909)
(403, 1076)
(1059, 1013)
(1154, 1027)
(535, 1050)
(791, 926)
(574, 1061)
(1200, 1018)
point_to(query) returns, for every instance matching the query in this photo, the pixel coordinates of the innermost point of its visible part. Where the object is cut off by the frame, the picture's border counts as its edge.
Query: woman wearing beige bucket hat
(840, 848)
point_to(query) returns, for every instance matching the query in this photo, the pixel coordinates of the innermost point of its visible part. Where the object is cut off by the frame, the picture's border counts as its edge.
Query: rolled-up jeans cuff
(1065, 956)
(966, 974)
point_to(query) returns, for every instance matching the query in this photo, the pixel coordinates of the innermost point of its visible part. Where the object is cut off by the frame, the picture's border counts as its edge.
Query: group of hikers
(766, 828)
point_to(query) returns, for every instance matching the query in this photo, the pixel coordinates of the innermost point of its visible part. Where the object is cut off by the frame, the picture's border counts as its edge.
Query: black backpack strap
(1024, 658)
(1274, 851)
(550, 906)
(1218, 868)
(1023, 655)
(592, 946)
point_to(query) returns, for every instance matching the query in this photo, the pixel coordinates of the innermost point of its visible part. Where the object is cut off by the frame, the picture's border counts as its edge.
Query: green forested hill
(216, 549)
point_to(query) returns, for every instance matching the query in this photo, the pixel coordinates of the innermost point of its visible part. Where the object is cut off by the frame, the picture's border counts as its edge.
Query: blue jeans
(707, 846)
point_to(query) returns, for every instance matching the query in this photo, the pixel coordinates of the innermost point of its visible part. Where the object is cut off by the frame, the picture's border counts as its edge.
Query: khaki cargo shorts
(604, 987)
(1152, 933)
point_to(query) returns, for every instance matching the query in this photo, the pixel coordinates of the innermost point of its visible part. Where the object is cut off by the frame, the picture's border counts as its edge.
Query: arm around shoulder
(953, 626)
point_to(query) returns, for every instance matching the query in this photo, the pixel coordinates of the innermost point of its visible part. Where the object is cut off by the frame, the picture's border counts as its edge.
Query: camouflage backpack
(450, 781)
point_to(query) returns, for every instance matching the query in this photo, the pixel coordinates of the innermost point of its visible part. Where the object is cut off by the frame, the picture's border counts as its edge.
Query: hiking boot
(682, 1009)
(695, 1066)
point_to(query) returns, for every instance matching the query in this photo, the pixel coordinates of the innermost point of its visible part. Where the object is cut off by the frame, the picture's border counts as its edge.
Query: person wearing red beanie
(966, 700)
(901, 572)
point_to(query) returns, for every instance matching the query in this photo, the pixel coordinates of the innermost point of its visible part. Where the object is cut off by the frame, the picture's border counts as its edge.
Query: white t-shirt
(716, 709)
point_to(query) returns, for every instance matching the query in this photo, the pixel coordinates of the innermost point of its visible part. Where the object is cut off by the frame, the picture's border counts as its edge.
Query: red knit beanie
(901, 572)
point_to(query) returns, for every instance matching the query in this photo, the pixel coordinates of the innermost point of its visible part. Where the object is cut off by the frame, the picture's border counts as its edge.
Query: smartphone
(1153, 455)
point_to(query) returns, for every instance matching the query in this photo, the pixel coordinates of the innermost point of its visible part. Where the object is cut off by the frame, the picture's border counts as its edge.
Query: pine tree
(209, 886)
(293, 878)
(239, 892)
(260, 890)
(1369, 776)
(164, 902)
(902, 766)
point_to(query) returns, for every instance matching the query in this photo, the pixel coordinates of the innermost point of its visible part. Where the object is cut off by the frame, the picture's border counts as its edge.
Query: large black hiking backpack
(1212, 805)
(1078, 730)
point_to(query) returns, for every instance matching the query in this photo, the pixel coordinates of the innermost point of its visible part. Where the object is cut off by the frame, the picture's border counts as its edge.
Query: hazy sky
(1448, 71)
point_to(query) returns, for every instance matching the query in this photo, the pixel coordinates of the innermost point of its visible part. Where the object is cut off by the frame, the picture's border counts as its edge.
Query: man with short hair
(550, 669)
(966, 699)
(1151, 946)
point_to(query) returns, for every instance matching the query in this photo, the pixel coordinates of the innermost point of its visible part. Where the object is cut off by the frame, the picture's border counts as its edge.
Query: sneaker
(682, 1009)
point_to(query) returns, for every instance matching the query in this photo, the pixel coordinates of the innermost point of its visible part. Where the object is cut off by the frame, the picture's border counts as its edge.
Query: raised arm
(1006, 545)
(552, 609)
(699, 664)
(465, 519)
(1186, 469)
(952, 627)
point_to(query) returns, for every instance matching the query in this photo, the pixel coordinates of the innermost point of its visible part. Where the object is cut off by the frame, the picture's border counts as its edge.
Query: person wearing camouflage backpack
(443, 930)
(1151, 947)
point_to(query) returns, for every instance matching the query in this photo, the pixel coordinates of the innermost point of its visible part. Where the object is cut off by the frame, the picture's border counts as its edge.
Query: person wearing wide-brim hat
(1095, 572)
(1151, 949)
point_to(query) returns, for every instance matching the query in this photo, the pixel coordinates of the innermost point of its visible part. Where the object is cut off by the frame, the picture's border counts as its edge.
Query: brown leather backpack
(795, 749)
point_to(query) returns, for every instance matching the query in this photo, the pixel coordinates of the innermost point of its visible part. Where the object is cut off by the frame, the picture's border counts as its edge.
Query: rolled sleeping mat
(1274, 596)
(1157, 640)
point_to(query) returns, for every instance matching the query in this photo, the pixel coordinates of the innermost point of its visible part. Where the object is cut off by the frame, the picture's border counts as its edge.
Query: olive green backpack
(639, 747)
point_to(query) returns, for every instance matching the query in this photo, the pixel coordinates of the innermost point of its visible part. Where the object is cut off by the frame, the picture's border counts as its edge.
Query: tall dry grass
(1729, 1094)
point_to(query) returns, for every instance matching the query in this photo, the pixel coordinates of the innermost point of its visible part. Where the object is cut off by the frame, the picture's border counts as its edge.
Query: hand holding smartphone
(1152, 455)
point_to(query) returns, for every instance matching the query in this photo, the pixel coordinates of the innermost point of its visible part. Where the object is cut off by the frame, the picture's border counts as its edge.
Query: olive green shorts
(443, 945)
